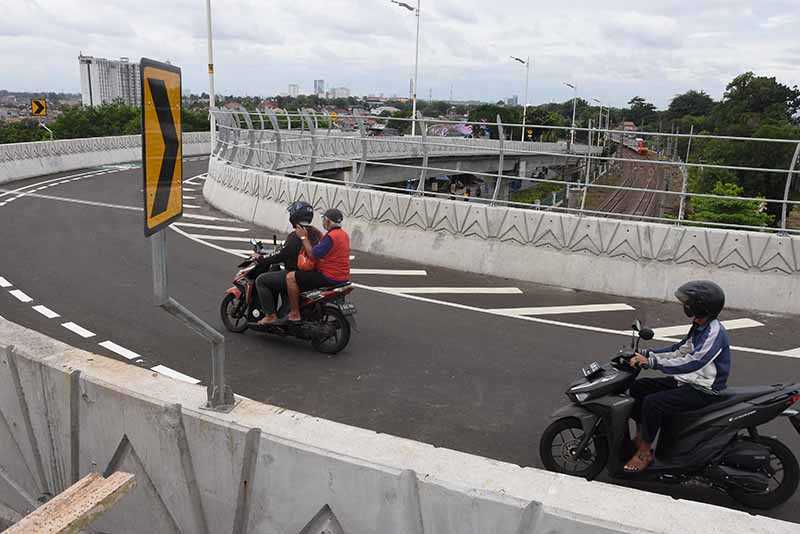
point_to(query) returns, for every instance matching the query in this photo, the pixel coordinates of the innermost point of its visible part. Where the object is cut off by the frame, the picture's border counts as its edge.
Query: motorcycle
(718, 446)
(327, 317)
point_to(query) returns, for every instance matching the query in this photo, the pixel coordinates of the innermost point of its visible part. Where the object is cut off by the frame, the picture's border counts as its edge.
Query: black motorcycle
(718, 446)
(326, 315)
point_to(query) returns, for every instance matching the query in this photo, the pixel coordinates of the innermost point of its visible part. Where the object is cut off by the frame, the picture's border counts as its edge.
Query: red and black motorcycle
(327, 317)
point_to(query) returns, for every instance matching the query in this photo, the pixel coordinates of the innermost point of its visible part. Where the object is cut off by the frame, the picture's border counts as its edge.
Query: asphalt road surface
(462, 361)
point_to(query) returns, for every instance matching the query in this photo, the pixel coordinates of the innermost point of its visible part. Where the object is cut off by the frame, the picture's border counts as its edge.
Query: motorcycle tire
(564, 434)
(787, 486)
(233, 324)
(337, 342)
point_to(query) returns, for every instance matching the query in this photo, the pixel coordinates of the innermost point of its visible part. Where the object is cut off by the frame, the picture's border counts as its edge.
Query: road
(461, 361)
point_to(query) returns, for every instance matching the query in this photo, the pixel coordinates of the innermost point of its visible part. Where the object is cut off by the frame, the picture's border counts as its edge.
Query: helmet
(300, 212)
(334, 215)
(701, 298)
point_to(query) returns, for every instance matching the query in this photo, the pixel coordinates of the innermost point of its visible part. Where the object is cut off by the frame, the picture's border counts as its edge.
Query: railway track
(641, 203)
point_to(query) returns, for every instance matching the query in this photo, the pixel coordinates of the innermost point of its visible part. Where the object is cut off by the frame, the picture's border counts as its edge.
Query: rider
(332, 255)
(271, 283)
(698, 366)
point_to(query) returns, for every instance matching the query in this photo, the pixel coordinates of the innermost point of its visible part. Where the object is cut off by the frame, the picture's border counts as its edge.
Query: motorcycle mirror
(646, 334)
(637, 325)
(253, 242)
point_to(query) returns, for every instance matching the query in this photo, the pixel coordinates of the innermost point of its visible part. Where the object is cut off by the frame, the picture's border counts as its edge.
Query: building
(294, 90)
(104, 81)
(340, 92)
(319, 87)
(513, 101)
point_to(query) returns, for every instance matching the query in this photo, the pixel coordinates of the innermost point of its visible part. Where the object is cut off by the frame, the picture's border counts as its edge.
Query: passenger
(698, 366)
(332, 255)
(273, 283)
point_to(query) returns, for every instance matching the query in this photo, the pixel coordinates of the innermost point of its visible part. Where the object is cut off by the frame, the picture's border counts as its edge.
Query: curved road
(457, 360)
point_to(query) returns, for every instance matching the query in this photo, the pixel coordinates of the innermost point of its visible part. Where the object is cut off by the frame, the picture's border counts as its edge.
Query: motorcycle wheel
(339, 340)
(227, 313)
(784, 476)
(562, 437)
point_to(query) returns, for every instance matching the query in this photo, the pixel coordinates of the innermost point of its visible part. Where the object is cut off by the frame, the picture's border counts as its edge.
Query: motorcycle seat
(731, 396)
(326, 288)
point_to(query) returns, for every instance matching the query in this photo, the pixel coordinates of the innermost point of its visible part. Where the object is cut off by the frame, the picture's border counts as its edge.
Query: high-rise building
(319, 87)
(513, 101)
(104, 81)
(294, 90)
(340, 92)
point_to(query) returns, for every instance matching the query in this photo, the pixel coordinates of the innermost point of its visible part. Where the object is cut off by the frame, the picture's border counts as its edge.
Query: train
(641, 146)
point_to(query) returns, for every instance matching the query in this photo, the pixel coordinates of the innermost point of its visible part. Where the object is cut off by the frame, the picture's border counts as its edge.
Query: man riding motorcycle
(270, 284)
(698, 368)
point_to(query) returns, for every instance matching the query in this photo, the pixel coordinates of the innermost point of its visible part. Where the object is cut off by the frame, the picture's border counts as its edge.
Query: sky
(611, 50)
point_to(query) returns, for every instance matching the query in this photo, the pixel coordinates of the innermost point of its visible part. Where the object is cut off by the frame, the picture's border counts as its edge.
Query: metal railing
(314, 146)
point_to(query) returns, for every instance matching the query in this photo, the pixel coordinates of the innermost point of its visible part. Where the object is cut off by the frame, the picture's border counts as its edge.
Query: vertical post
(525, 108)
(423, 173)
(588, 167)
(416, 74)
(502, 137)
(362, 130)
(682, 207)
(211, 93)
(784, 209)
(574, 104)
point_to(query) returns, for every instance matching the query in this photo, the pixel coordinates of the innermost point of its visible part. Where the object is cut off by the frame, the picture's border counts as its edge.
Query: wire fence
(648, 176)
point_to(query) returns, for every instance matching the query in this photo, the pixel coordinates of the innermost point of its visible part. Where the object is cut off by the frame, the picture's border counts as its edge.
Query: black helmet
(334, 215)
(300, 212)
(701, 298)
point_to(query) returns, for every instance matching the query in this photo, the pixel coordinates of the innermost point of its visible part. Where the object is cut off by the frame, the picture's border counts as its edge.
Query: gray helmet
(701, 298)
(334, 215)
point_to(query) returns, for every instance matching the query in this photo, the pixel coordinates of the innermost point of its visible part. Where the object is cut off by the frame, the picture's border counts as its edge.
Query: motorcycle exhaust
(749, 481)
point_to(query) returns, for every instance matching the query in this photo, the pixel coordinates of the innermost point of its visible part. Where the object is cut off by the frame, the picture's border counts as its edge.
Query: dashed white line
(207, 218)
(556, 310)
(172, 373)
(192, 207)
(391, 272)
(682, 330)
(119, 349)
(5, 283)
(190, 189)
(20, 295)
(47, 312)
(231, 238)
(212, 227)
(455, 290)
(81, 331)
(189, 197)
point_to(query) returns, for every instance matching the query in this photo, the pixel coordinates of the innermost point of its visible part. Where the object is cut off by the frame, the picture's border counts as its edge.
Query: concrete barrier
(759, 271)
(263, 469)
(26, 160)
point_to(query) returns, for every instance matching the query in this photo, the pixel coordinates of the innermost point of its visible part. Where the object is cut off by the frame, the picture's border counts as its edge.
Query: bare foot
(267, 320)
(640, 461)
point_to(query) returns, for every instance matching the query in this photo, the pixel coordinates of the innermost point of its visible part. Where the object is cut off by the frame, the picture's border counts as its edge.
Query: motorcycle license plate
(347, 308)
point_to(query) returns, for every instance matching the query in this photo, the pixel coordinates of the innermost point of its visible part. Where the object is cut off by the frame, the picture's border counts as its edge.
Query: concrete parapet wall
(759, 271)
(262, 469)
(26, 160)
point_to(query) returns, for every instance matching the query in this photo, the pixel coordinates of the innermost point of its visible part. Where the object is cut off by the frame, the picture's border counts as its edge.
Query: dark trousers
(269, 285)
(657, 398)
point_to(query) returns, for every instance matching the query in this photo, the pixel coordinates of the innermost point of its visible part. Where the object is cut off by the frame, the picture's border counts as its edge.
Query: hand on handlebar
(639, 361)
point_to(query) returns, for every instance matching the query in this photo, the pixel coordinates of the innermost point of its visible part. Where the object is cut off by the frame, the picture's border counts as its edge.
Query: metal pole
(574, 103)
(588, 168)
(682, 207)
(501, 135)
(525, 108)
(784, 209)
(211, 93)
(416, 73)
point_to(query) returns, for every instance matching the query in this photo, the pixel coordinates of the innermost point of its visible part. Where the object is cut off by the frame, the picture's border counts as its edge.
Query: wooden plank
(77, 506)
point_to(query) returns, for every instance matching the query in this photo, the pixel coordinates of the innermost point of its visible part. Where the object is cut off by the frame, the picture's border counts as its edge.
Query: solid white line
(172, 373)
(207, 218)
(556, 310)
(682, 330)
(81, 331)
(5, 283)
(189, 189)
(122, 351)
(47, 312)
(50, 181)
(77, 201)
(20, 296)
(192, 207)
(232, 238)
(213, 227)
(390, 272)
(456, 290)
(189, 197)
(793, 352)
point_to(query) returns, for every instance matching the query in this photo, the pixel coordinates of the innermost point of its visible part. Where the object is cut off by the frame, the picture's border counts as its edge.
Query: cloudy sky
(611, 49)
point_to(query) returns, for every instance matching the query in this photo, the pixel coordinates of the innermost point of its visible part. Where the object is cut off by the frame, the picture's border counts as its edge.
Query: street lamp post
(527, 63)
(599, 120)
(572, 128)
(416, 11)
(211, 100)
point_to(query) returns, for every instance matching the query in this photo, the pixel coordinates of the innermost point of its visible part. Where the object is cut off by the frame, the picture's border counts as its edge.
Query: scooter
(718, 446)
(327, 317)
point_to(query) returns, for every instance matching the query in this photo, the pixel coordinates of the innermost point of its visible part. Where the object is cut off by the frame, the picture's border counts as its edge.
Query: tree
(696, 103)
(728, 211)
(488, 113)
(641, 110)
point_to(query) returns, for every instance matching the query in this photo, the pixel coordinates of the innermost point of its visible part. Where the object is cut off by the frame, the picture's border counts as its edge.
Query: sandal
(640, 461)
(268, 320)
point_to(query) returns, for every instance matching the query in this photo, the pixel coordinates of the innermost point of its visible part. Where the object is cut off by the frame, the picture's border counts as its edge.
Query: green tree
(641, 110)
(488, 113)
(728, 211)
(21, 132)
(696, 103)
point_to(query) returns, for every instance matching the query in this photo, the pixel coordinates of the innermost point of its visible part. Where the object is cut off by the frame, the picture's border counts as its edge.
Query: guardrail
(300, 152)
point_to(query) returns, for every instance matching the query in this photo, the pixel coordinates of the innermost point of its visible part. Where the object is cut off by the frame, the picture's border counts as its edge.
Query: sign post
(162, 173)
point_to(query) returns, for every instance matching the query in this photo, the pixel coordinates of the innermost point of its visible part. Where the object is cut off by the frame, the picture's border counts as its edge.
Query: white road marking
(232, 238)
(556, 310)
(212, 227)
(793, 352)
(189, 197)
(192, 207)
(207, 218)
(52, 181)
(20, 296)
(391, 272)
(455, 290)
(172, 373)
(190, 189)
(47, 312)
(81, 331)
(122, 351)
(682, 330)
(5, 283)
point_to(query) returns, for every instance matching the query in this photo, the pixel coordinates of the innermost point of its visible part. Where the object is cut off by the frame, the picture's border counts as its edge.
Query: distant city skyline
(611, 51)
